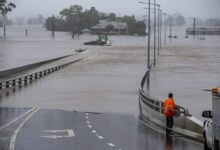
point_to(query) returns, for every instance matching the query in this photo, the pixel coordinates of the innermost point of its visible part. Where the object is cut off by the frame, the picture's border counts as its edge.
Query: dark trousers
(169, 124)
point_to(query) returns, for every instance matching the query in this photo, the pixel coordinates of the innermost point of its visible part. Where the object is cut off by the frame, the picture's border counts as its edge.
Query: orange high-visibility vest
(169, 107)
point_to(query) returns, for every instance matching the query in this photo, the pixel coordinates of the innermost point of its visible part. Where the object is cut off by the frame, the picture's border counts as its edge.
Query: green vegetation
(74, 19)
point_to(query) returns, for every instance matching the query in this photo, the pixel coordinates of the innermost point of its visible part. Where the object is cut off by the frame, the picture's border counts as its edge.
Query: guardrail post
(186, 112)
(25, 80)
(19, 81)
(36, 75)
(31, 77)
(14, 82)
(0, 86)
(7, 84)
(40, 74)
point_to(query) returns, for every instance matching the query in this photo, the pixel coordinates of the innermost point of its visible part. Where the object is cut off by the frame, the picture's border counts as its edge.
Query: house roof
(86, 30)
(116, 25)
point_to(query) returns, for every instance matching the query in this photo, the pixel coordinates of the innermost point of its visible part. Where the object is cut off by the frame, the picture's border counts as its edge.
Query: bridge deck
(54, 130)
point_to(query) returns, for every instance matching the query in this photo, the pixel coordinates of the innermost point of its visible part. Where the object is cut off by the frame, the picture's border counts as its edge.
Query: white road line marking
(88, 122)
(93, 131)
(110, 144)
(53, 136)
(14, 136)
(70, 133)
(100, 137)
(90, 126)
(16, 119)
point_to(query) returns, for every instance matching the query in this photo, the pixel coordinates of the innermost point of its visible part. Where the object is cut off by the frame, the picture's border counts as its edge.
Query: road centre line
(16, 119)
(14, 136)
(98, 135)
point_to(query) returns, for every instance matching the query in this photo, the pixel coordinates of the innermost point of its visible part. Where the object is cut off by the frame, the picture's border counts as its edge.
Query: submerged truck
(211, 127)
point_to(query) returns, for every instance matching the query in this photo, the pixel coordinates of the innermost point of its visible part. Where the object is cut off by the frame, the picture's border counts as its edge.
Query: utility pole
(160, 27)
(149, 35)
(165, 27)
(53, 27)
(77, 19)
(170, 28)
(194, 27)
(5, 8)
(149, 30)
(158, 40)
(154, 32)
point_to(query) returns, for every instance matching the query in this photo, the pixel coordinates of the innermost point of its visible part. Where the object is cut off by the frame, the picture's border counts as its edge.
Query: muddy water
(186, 68)
(108, 80)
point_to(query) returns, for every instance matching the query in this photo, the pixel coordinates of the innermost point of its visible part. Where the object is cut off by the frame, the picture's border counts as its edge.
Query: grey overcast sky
(189, 8)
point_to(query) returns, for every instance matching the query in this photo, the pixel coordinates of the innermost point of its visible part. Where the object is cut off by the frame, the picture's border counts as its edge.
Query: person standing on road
(169, 111)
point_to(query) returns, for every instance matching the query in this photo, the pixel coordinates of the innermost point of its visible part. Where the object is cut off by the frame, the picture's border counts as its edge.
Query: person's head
(170, 95)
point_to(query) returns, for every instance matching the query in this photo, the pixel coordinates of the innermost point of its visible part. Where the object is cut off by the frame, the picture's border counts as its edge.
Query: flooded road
(18, 49)
(108, 81)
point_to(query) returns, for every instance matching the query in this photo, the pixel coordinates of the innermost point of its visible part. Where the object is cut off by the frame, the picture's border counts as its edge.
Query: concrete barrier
(13, 71)
(22, 81)
(184, 123)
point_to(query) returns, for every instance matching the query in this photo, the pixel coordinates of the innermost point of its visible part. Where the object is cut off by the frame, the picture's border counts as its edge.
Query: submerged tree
(4, 9)
(178, 19)
(74, 19)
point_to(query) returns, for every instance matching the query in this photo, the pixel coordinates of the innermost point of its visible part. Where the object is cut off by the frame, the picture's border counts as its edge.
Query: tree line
(75, 18)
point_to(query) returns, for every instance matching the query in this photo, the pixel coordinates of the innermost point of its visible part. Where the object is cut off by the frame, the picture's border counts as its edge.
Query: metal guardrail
(22, 81)
(157, 105)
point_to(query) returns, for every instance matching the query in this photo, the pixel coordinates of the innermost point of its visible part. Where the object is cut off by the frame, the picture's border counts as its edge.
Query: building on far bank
(86, 31)
(110, 27)
(204, 31)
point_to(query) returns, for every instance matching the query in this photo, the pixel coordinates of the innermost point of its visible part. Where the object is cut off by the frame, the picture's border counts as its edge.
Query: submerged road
(25, 129)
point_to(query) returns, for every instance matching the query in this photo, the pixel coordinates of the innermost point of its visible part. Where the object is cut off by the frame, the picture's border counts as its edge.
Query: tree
(74, 19)
(4, 9)
(178, 19)
(112, 16)
(72, 16)
(36, 20)
(110, 28)
(94, 16)
(130, 20)
(139, 28)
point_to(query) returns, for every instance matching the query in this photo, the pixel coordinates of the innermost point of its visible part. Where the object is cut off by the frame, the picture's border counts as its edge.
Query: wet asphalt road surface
(55, 130)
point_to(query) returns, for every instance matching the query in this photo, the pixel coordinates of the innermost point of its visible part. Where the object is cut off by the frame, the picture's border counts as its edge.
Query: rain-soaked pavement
(55, 129)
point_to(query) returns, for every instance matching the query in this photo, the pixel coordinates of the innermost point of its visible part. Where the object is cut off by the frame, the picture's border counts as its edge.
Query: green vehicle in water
(102, 40)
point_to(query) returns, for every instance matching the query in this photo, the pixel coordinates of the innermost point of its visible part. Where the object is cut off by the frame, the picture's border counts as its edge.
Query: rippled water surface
(108, 80)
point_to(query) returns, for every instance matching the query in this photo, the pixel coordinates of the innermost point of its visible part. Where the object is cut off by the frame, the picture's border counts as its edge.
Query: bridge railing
(158, 106)
(153, 110)
(24, 80)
